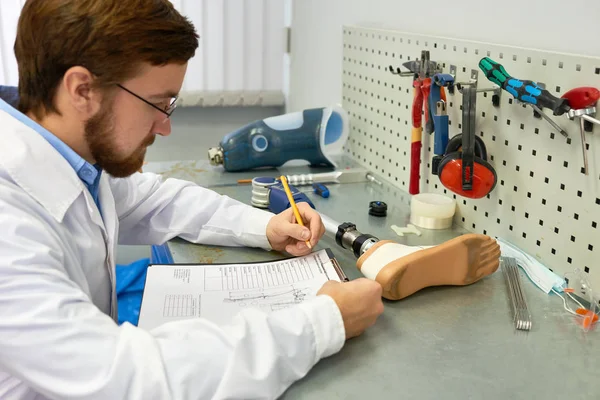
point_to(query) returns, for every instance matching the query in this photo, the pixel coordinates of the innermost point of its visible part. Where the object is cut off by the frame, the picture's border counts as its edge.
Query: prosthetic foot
(403, 270)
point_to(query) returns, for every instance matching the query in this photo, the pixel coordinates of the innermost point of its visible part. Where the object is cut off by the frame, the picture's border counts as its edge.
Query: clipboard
(219, 291)
(337, 266)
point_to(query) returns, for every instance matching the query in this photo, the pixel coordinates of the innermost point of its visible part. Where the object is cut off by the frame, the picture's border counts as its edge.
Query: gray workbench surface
(440, 343)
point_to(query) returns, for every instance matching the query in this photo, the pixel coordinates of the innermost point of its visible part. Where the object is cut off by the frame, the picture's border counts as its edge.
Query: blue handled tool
(437, 108)
(523, 90)
(439, 117)
(321, 190)
(311, 135)
(526, 91)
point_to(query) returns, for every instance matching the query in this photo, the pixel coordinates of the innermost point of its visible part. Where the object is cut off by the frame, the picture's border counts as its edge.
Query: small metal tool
(584, 114)
(350, 175)
(550, 121)
(521, 314)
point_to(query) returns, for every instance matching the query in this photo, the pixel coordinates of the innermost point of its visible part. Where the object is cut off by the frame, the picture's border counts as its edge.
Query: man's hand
(359, 302)
(284, 233)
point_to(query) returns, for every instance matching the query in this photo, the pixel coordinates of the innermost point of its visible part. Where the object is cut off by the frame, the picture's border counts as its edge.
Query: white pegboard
(543, 202)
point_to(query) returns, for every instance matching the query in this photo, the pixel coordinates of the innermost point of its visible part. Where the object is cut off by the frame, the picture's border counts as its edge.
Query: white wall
(316, 59)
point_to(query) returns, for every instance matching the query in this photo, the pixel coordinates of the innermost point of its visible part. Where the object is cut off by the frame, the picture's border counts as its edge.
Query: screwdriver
(526, 91)
(523, 90)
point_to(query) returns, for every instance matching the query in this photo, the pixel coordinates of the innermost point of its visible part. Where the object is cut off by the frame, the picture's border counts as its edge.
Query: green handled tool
(523, 90)
(526, 91)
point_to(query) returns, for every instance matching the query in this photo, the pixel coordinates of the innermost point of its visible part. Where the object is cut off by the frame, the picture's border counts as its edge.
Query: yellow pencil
(290, 197)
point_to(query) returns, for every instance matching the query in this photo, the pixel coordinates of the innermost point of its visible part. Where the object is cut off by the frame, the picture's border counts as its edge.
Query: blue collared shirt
(88, 173)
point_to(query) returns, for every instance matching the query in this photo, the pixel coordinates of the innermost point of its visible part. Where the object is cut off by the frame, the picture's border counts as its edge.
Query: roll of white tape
(432, 211)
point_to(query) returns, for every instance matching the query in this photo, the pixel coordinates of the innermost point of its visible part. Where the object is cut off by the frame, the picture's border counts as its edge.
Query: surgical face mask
(539, 274)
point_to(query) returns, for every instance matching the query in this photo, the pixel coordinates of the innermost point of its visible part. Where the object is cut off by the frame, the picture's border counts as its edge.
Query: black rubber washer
(378, 208)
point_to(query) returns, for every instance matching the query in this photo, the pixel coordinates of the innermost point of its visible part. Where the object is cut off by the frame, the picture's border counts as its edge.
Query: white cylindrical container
(432, 211)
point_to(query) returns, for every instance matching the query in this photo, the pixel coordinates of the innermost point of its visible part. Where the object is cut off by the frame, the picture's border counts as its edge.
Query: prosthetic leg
(403, 270)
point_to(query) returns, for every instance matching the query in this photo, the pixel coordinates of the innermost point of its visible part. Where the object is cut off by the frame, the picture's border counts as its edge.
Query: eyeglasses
(167, 110)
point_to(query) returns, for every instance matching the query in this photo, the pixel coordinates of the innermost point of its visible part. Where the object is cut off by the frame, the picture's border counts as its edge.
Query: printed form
(218, 292)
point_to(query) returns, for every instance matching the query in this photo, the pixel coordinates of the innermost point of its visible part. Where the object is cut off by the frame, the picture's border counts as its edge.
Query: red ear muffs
(450, 170)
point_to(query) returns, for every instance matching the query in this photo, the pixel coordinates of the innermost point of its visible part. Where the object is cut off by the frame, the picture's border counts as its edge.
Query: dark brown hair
(111, 38)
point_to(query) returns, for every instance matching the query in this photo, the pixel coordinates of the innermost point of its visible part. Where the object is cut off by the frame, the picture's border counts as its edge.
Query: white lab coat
(58, 335)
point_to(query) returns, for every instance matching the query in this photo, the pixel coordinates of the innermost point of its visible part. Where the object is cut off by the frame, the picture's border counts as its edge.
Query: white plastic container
(432, 211)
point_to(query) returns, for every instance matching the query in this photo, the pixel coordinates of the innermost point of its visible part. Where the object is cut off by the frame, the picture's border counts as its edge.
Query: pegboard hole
(556, 230)
(544, 62)
(514, 57)
(553, 251)
(576, 216)
(579, 193)
(501, 55)
(578, 67)
(528, 60)
(597, 71)
(559, 208)
(560, 64)
(590, 247)
(544, 201)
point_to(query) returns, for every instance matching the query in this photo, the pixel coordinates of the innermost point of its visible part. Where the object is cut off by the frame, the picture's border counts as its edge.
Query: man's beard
(101, 139)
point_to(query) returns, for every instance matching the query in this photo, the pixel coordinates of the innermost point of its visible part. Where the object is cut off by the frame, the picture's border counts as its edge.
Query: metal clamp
(399, 72)
(472, 81)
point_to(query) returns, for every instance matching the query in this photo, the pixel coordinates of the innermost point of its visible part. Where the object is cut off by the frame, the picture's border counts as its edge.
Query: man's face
(125, 126)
